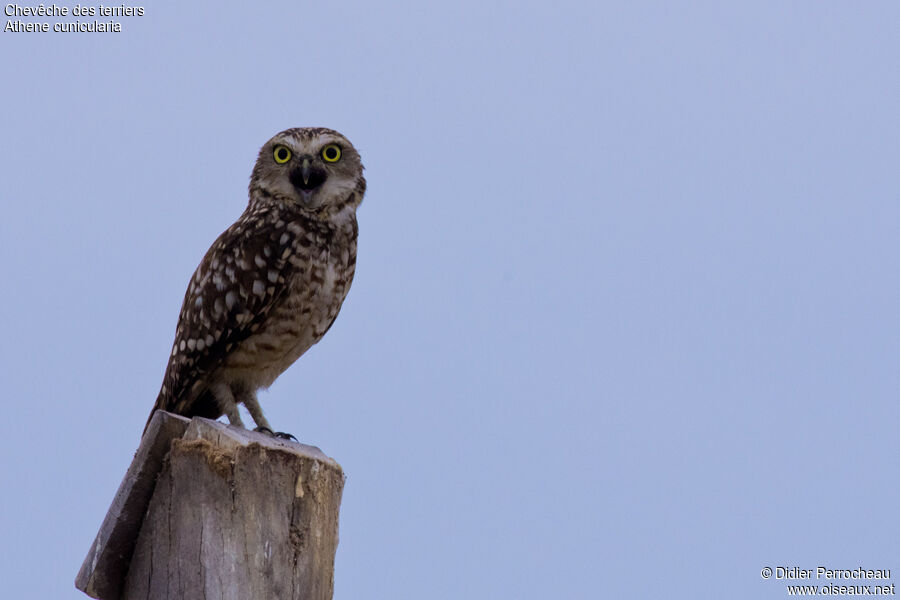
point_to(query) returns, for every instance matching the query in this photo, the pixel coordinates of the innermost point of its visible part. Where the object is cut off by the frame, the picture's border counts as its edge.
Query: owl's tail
(204, 405)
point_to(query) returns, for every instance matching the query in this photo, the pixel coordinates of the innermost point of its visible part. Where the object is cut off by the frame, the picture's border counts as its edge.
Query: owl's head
(316, 168)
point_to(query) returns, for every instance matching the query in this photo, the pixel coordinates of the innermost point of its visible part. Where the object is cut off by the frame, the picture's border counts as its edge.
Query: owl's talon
(281, 435)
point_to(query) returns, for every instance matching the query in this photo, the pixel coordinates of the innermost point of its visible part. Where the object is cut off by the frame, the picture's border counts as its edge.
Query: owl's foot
(281, 435)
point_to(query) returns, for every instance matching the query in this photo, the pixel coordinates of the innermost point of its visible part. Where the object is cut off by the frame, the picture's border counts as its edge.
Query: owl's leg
(248, 398)
(227, 403)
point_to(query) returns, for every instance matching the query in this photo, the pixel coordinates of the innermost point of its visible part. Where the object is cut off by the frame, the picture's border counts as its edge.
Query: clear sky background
(625, 319)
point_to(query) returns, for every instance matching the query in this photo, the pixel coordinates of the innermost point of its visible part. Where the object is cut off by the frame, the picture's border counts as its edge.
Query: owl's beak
(305, 171)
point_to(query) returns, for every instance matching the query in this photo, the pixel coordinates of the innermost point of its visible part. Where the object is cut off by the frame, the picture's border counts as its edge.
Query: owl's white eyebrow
(296, 145)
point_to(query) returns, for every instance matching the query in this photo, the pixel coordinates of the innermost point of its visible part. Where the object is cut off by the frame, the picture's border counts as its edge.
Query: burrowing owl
(273, 283)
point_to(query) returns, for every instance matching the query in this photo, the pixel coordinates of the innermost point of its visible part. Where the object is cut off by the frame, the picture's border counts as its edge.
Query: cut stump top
(103, 573)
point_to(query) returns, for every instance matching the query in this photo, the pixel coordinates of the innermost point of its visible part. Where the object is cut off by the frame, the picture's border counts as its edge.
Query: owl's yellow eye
(331, 153)
(282, 154)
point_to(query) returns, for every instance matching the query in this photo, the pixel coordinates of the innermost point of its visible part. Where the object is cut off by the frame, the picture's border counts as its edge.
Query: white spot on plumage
(199, 301)
(181, 345)
(284, 238)
(191, 344)
(259, 288)
(329, 276)
(273, 275)
(259, 260)
(230, 299)
(201, 345)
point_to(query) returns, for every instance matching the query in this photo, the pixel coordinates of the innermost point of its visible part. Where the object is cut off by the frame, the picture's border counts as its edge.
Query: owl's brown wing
(241, 278)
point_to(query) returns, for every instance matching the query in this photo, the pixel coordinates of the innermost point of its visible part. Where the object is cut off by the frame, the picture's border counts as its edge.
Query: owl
(273, 283)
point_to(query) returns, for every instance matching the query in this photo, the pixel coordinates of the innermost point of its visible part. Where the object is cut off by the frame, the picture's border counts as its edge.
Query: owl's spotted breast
(316, 288)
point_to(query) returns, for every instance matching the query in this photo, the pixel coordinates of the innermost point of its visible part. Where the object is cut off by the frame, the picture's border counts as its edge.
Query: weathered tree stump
(234, 514)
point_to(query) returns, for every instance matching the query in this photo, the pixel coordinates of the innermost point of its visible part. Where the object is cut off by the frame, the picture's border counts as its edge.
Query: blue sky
(625, 318)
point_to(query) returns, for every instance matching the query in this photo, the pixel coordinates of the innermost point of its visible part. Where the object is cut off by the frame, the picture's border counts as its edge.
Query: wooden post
(235, 514)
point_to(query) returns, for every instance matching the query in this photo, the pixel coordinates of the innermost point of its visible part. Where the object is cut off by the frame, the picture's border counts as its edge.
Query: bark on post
(235, 514)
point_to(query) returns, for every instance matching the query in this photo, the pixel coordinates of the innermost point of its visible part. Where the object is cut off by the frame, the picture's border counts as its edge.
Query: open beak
(307, 176)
